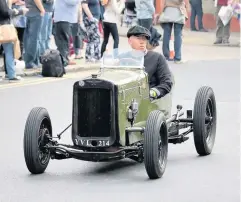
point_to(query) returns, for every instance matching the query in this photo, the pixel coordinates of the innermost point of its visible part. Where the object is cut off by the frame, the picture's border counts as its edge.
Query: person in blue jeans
(46, 31)
(5, 18)
(19, 22)
(173, 17)
(32, 33)
(196, 10)
(167, 28)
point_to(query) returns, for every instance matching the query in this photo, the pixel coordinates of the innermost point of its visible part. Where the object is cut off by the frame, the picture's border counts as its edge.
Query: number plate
(92, 143)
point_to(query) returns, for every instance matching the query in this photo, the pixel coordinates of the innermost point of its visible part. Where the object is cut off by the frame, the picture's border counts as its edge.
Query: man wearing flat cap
(160, 77)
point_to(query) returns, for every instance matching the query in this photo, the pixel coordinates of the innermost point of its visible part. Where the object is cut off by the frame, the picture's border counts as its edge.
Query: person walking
(65, 14)
(145, 11)
(174, 15)
(5, 19)
(91, 17)
(222, 32)
(46, 31)
(32, 33)
(76, 41)
(196, 11)
(111, 17)
(19, 22)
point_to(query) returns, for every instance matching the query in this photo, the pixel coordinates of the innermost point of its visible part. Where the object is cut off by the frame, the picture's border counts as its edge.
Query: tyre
(204, 121)
(37, 128)
(155, 145)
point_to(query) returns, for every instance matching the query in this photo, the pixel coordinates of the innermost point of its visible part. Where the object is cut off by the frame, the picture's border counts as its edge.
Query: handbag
(8, 33)
(16, 49)
(225, 14)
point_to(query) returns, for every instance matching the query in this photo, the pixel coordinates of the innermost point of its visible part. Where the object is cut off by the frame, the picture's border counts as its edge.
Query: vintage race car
(114, 118)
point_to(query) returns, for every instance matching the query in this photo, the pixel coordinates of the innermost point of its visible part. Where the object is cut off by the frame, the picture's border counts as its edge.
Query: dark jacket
(6, 13)
(160, 77)
(159, 74)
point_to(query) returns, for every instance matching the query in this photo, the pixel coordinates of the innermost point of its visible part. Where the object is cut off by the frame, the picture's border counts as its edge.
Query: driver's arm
(163, 77)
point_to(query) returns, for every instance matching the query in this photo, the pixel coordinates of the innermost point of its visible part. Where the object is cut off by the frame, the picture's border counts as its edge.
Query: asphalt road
(188, 177)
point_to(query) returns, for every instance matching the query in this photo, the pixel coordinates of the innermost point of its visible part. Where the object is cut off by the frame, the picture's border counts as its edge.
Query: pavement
(196, 46)
(193, 38)
(188, 177)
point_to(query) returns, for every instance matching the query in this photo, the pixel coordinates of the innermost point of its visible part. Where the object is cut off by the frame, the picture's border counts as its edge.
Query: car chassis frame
(134, 151)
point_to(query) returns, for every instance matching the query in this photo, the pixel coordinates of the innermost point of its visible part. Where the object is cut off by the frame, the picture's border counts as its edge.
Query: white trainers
(180, 61)
(17, 78)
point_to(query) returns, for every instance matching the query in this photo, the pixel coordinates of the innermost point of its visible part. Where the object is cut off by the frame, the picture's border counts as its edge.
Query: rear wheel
(155, 145)
(204, 121)
(37, 130)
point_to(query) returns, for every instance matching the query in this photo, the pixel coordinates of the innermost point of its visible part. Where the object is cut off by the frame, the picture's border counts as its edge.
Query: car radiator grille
(94, 112)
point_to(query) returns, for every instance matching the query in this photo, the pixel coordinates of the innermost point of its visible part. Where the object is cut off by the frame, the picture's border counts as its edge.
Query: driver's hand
(153, 94)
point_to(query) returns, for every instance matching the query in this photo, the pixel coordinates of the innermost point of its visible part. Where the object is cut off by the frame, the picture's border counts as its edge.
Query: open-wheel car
(114, 118)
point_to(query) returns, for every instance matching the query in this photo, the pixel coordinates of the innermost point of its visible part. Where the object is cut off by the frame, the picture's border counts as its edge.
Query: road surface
(188, 177)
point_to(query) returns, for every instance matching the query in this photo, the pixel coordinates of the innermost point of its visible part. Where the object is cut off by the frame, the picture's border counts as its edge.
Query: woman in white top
(111, 17)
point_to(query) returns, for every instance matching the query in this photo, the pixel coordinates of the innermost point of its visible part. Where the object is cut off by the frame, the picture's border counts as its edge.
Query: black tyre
(38, 127)
(155, 145)
(204, 121)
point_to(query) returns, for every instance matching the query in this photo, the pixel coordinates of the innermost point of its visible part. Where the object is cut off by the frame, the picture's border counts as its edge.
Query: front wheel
(204, 121)
(37, 130)
(155, 145)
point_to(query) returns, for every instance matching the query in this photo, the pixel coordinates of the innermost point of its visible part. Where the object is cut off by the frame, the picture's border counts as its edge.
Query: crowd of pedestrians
(80, 22)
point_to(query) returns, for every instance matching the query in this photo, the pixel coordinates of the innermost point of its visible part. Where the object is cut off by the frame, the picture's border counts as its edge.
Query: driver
(160, 77)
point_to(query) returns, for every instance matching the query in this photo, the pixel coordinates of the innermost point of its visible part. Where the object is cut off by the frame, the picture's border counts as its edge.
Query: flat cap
(139, 31)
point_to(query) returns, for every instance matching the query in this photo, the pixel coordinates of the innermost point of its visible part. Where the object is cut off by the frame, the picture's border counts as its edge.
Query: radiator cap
(94, 76)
